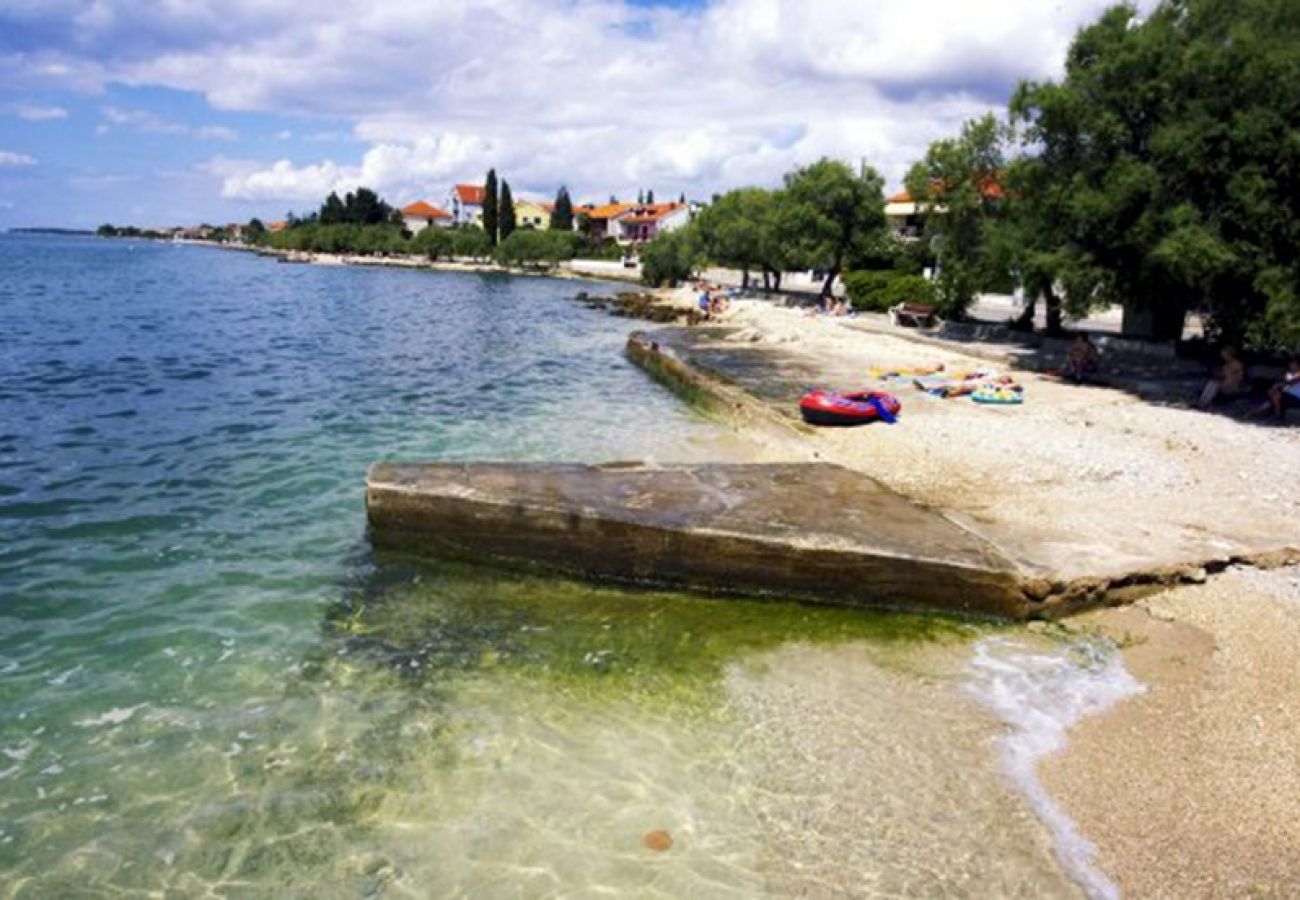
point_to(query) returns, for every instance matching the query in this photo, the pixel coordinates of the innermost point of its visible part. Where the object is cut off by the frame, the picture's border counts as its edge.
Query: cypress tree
(507, 210)
(640, 198)
(562, 215)
(650, 197)
(490, 208)
(682, 199)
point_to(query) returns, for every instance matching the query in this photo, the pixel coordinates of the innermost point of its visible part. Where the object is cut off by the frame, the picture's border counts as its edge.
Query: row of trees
(1161, 173)
(826, 216)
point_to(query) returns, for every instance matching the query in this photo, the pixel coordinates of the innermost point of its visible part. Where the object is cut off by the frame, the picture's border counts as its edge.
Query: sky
(185, 111)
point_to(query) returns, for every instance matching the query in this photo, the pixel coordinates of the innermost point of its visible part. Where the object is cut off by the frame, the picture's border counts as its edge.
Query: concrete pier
(813, 532)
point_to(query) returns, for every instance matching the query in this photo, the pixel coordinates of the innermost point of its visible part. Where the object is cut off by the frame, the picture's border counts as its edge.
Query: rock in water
(658, 840)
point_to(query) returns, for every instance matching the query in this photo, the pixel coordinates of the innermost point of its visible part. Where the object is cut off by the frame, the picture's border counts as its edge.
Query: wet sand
(1192, 788)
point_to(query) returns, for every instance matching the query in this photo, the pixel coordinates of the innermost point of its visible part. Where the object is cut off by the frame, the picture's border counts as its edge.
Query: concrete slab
(816, 532)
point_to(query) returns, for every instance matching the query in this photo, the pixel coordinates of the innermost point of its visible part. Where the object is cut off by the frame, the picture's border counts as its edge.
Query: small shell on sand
(658, 840)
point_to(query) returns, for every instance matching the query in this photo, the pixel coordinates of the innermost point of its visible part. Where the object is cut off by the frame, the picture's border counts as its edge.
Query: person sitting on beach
(1285, 394)
(1081, 360)
(968, 386)
(1230, 384)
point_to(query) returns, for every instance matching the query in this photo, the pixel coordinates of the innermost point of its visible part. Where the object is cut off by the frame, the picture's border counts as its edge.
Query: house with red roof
(420, 215)
(465, 203)
(642, 223)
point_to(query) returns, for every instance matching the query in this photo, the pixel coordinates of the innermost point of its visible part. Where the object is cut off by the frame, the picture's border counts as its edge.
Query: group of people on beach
(1230, 384)
(712, 300)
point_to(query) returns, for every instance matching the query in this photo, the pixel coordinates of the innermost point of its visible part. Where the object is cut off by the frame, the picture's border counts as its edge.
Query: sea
(211, 685)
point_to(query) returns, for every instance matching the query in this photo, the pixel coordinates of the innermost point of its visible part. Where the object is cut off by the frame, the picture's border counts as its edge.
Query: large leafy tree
(562, 214)
(1172, 147)
(737, 229)
(830, 214)
(507, 211)
(490, 210)
(959, 182)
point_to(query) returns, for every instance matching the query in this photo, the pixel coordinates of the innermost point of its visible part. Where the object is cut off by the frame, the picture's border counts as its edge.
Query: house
(420, 215)
(907, 217)
(466, 204)
(277, 226)
(530, 214)
(905, 220)
(602, 221)
(642, 223)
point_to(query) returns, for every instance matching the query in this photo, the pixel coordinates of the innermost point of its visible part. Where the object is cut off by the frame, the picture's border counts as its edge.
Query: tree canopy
(506, 215)
(829, 214)
(491, 220)
(562, 214)
(1169, 159)
(360, 207)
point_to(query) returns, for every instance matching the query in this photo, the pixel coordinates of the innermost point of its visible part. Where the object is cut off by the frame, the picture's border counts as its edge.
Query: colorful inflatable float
(833, 408)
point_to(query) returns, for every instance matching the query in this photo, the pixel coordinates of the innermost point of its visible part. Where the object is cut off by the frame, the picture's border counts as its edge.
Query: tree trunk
(776, 281)
(1053, 312)
(744, 278)
(829, 283)
(767, 280)
(1025, 321)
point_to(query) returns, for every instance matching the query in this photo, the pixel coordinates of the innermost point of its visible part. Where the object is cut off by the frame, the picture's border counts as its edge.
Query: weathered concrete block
(815, 532)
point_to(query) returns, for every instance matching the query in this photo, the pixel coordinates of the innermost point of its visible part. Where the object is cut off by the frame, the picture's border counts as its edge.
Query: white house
(466, 204)
(420, 215)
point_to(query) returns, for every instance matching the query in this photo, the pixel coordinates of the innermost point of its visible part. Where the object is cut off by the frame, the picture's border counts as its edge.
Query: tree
(331, 211)
(507, 211)
(529, 246)
(669, 257)
(562, 214)
(1172, 151)
(433, 242)
(829, 214)
(682, 199)
(640, 198)
(960, 182)
(471, 242)
(738, 230)
(490, 210)
(650, 197)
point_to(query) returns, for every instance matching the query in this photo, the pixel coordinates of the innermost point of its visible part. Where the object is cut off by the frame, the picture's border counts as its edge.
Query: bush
(470, 241)
(528, 246)
(609, 250)
(878, 291)
(433, 242)
(669, 258)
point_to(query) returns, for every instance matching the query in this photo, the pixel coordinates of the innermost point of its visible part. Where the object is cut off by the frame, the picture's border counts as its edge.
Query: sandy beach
(1188, 789)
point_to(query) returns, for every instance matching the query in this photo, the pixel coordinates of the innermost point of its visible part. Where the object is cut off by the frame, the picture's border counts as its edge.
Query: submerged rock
(658, 840)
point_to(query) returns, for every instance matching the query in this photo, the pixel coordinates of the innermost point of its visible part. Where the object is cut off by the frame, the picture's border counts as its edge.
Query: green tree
(959, 182)
(670, 257)
(530, 246)
(738, 230)
(331, 211)
(562, 214)
(650, 196)
(829, 214)
(1177, 139)
(471, 242)
(491, 219)
(507, 211)
(433, 242)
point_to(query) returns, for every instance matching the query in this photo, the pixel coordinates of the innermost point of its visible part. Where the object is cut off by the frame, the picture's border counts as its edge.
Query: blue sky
(180, 111)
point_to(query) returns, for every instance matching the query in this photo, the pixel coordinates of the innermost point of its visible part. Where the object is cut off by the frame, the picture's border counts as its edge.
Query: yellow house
(532, 215)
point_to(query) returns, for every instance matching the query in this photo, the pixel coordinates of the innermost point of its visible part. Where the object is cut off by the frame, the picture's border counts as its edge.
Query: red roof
(608, 211)
(420, 209)
(470, 193)
(901, 197)
(652, 213)
(989, 187)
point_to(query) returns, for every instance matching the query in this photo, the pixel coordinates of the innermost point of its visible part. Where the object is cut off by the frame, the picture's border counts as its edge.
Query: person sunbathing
(968, 386)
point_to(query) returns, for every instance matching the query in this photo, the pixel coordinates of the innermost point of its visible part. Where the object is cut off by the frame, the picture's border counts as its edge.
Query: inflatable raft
(831, 408)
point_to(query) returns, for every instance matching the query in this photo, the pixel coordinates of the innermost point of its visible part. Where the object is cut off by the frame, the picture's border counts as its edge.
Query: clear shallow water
(209, 684)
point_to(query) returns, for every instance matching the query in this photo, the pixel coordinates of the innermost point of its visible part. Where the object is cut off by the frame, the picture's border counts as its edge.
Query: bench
(912, 315)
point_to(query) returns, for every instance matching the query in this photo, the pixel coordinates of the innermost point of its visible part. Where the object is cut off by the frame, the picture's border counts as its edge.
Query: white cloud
(599, 94)
(143, 120)
(33, 113)
(9, 159)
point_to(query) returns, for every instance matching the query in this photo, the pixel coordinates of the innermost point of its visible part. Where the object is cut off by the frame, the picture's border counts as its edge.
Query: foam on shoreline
(1040, 696)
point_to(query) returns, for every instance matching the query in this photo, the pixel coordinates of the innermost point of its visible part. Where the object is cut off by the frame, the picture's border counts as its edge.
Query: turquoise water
(211, 686)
